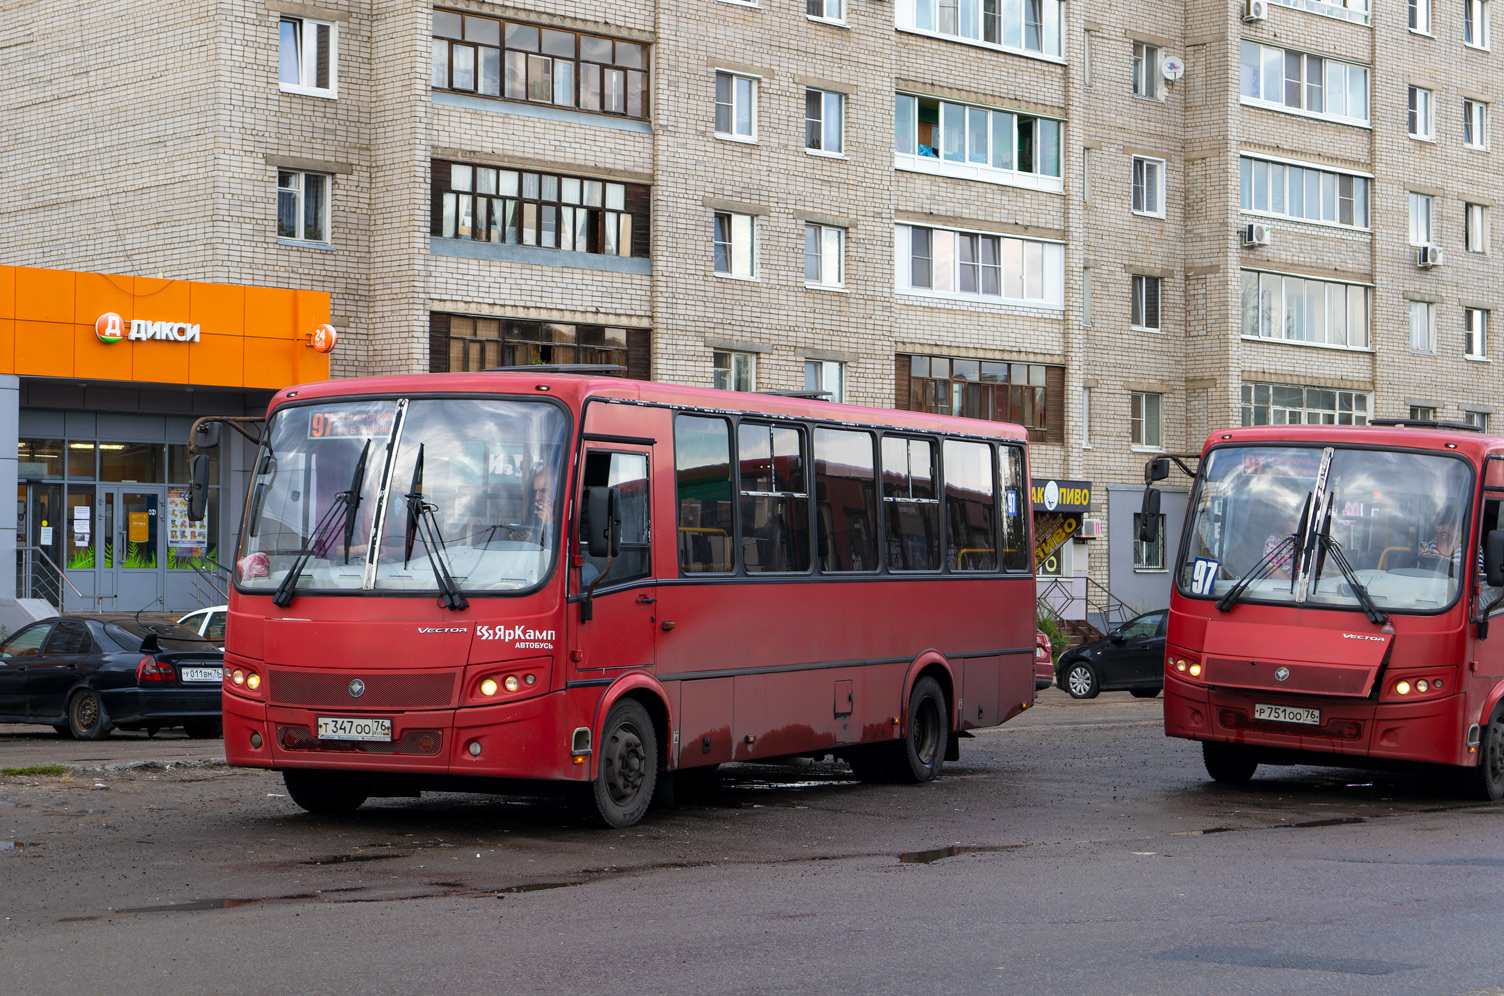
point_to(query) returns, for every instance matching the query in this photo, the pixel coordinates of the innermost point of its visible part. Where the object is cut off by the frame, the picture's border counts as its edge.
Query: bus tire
(921, 754)
(1229, 764)
(324, 793)
(625, 781)
(1488, 781)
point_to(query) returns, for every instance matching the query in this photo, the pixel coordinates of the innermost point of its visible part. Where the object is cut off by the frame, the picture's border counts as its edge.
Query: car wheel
(1143, 693)
(1230, 764)
(325, 793)
(1488, 781)
(1081, 680)
(87, 719)
(921, 753)
(203, 729)
(623, 786)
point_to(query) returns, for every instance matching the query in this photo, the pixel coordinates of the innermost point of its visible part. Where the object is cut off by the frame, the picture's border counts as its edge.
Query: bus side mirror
(198, 491)
(1156, 470)
(1148, 520)
(206, 435)
(1493, 558)
(603, 522)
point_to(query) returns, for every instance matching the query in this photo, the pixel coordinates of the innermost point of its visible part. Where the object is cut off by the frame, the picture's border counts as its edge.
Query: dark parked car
(85, 677)
(1131, 657)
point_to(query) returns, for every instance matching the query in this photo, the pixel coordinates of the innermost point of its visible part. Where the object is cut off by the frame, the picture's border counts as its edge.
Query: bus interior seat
(1395, 557)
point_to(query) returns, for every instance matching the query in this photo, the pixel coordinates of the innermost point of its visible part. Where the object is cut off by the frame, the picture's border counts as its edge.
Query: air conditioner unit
(1255, 235)
(1090, 529)
(1429, 256)
(1256, 10)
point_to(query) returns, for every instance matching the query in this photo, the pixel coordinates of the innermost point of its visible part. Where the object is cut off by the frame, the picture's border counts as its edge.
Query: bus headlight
(488, 687)
(1403, 688)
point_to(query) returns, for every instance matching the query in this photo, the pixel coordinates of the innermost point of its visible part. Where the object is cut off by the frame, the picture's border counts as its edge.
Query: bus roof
(1405, 436)
(574, 389)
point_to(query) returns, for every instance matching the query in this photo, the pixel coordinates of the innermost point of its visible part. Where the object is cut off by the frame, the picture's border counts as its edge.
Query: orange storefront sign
(99, 326)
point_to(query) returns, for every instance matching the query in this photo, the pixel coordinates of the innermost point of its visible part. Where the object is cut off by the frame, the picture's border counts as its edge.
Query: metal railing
(39, 576)
(215, 579)
(1098, 606)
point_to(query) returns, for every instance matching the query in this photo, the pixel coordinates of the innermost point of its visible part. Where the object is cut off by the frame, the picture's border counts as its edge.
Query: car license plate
(215, 674)
(349, 728)
(1287, 714)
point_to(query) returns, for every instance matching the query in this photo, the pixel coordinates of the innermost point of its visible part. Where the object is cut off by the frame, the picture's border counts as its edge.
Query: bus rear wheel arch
(919, 756)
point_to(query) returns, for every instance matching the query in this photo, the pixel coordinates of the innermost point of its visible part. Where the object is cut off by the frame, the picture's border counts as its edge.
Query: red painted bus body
(728, 664)
(1289, 672)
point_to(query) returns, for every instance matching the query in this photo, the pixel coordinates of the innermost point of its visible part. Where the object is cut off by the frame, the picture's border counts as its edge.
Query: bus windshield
(1397, 518)
(385, 494)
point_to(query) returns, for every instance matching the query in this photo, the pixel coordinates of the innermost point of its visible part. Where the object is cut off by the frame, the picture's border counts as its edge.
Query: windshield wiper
(345, 501)
(1265, 565)
(1330, 547)
(423, 524)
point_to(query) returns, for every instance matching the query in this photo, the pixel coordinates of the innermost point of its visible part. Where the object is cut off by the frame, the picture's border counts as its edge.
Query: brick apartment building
(1121, 226)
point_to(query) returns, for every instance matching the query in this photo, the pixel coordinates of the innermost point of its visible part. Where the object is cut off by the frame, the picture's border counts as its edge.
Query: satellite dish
(1172, 68)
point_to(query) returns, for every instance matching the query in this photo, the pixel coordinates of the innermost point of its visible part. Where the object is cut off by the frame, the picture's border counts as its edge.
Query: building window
(303, 206)
(1475, 23)
(824, 255)
(1145, 305)
(1475, 234)
(954, 139)
(1422, 327)
(736, 107)
(1310, 83)
(467, 343)
(1144, 419)
(1292, 404)
(1420, 113)
(824, 121)
(308, 56)
(522, 208)
(1420, 218)
(1297, 309)
(1474, 124)
(1145, 70)
(1149, 186)
(1018, 271)
(1475, 333)
(825, 10)
(1022, 25)
(1024, 393)
(1148, 556)
(733, 371)
(516, 61)
(828, 376)
(1303, 193)
(1422, 413)
(1420, 15)
(1346, 10)
(1478, 420)
(736, 245)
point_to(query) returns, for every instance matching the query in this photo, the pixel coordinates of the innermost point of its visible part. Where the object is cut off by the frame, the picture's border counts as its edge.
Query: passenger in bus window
(1487, 593)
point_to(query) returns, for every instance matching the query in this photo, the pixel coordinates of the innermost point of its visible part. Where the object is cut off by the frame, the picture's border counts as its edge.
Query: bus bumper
(528, 739)
(1429, 731)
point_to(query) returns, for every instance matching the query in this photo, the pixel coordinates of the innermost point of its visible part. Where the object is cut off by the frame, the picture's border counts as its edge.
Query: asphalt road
(1075, 850)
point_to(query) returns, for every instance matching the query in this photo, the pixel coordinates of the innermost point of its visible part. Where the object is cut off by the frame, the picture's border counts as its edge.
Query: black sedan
(85, 677)
(1131, 657)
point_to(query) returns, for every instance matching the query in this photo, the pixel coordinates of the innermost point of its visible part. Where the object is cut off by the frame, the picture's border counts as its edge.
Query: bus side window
(1016, 504)
(846, 500)
(970, 506)
(1492, 508)
(628, 473)
(910, 505)
(774, 497)
(702, 477)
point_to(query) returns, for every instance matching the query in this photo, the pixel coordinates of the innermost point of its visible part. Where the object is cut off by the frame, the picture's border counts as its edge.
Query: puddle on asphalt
(11, 845)
(1337, 821)
(537, 887)
(818, 783)
(941, 853)
(345, 859)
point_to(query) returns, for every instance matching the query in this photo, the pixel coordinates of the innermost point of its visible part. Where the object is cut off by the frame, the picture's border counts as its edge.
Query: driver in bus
(1445, 543)
(538, 527)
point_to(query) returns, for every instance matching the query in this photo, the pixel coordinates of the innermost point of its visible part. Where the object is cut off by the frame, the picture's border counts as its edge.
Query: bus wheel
(1490, 776)
(919, 756)
(327, 793)
(1229, 764)
(623, 787)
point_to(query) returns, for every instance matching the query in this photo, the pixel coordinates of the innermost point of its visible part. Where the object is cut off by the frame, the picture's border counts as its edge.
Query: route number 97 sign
(1203, 575)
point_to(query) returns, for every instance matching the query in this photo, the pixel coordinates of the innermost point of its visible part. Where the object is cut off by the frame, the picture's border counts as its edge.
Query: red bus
(1332, 600)
(514, 580)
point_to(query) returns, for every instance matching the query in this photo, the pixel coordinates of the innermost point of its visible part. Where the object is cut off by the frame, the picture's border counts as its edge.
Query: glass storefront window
(131, 463)
(81, 460)
(40, 458)
(191, 544)
(78, 529)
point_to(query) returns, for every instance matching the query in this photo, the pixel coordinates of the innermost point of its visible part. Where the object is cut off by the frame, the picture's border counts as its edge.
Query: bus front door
(620, 633)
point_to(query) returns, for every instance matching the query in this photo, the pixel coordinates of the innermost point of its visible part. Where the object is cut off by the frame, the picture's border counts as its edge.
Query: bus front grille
(422, 742)
(379, 689)
(1306, 678)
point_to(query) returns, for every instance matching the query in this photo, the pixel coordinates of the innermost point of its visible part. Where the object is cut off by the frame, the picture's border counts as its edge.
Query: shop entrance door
(132, 546)
(40, 525)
